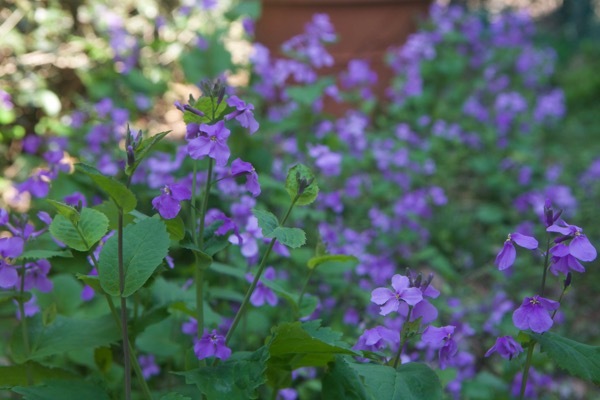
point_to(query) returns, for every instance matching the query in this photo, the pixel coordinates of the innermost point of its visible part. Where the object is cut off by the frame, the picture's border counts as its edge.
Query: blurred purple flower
(243, 113)
(442, 339)
(239, 167)
(263, 294)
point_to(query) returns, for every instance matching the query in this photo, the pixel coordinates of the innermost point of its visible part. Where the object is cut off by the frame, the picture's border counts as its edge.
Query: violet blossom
(506, 346)
(168, 203)
(211, 142)
(508, 254)
(534, 314)
(211, 345)
(390, 300)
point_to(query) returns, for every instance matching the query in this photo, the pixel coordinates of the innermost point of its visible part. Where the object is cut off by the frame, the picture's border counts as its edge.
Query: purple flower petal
(527, 242)
(380, 295)
(581, 248)
(507, 256)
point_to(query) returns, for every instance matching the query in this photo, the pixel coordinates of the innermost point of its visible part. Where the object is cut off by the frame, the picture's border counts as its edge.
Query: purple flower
(8, 275)
(148, 366)
(211, 345)
(239, 167)
(534, 314)
(31, 307)
(11, 247)
(506, 346)
(442, 339)
(212, 144)
(243, 113)
(75, 198)
(377, 338)
(262, 294)
(507, 255)
(580, 246)
(168, 203)
(390, 300)
(36, 276)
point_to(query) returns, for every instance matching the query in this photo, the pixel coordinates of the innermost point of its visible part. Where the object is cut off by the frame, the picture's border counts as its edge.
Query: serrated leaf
(15, 375)
(40, 254)
(302, 345)
(580, 360)
(291, 237)
(296, 176)
(63, 335)
(316, 261)
(109, 208)
(342, 382)
(145, 245)
(412, 381)
(235, 379)
(92, 226)
(65, 210)
(266, 220)
(118, 192)
(63, 390)
(143, 149)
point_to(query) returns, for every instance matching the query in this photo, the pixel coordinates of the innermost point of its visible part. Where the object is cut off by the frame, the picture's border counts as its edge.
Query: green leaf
(235, 379)
(65, 210)
(110, 209)
(15, 375)
(65, 295)
(266, 220)
(301, 178)
(41, 254)
(175, 227)
(316, 261)
(175, 396)
(143, 149)
(302, 345)
(63, 390)
(145, 245)
(64, 334)
(92, 226)
(291, 237)
(7, 295)
(342, 382)
(412, 381)
(92, 281)
(118, 192)
(580, 360)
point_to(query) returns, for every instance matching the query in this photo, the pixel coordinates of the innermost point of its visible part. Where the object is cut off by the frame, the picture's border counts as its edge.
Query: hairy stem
(261, 267)
(546, 265)
(124, 330)
(403, 337)
(526, 370)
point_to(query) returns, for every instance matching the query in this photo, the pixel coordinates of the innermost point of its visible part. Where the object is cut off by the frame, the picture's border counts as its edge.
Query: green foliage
(81, 232)
(291, 237)
(143, 149)
(412, 381)
(235, 379)
(314, 262)
(39, 254)
(580, 360)
(300, 182)
(62, 335)
(16, 375)
(145, 245)
(118, 192)
(64, 390)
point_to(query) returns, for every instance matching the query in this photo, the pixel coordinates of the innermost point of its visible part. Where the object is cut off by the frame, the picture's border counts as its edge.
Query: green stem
(124, 331)
(201, 264)
(261, 267)
(526, 370)
(193, 203)
(402, 338)
(134, 361)
(546, 259)
(24, 329)
(310, 273)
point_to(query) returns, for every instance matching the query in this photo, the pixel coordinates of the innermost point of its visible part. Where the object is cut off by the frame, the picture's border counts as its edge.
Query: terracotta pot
(365, 28)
